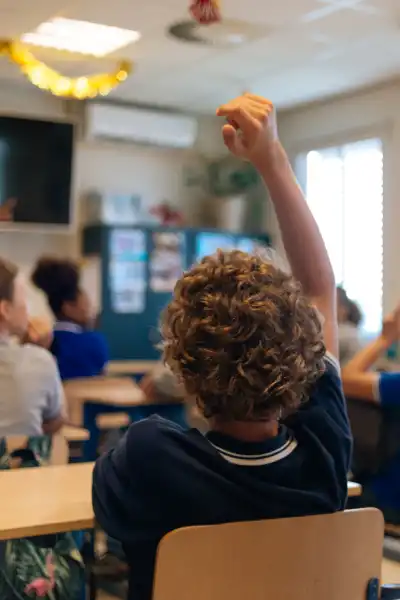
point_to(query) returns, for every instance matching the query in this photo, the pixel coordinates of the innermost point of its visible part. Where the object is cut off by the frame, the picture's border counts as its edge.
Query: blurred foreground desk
(45, 500)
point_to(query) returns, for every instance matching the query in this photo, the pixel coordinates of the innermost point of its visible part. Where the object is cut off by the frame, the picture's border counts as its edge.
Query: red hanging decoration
(206, 12)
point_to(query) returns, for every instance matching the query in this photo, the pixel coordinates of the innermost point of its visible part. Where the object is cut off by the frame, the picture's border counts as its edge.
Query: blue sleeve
(327, 404)
(324, 418)
(388, 391)
(102, 351)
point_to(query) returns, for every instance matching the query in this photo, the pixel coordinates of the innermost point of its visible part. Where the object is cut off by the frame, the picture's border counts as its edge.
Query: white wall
(372, 113)
(155, 174)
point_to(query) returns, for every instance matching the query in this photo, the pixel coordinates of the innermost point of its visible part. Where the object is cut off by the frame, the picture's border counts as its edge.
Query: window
(344, 189)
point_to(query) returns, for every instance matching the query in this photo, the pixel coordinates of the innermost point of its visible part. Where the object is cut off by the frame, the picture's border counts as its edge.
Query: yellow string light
(50, 80)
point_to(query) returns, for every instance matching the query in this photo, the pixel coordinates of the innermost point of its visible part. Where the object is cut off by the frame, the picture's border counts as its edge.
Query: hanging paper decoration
(206, 12)
(50, 80)
(167, 215)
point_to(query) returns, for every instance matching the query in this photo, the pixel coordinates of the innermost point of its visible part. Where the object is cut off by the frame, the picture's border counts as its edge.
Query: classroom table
(353, 489)
(45, 500)
(136, 368)
(75, 434)
(102, 395)
(48, 500)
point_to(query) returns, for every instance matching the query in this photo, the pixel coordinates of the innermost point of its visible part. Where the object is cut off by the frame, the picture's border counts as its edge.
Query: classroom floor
(390, 574)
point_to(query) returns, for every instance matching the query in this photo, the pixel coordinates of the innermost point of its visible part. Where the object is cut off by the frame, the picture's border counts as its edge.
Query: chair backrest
(376, 434)
(329, 557)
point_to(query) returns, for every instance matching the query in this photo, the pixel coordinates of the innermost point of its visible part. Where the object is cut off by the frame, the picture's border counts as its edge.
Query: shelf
(37, 228)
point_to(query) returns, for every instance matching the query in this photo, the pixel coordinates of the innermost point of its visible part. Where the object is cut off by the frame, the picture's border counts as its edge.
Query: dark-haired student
(380, 388)
(79, 350)
(349, 318)
(257, 349)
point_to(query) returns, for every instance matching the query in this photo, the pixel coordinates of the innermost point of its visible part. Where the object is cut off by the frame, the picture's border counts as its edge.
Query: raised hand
(251, 130)
(391, 327)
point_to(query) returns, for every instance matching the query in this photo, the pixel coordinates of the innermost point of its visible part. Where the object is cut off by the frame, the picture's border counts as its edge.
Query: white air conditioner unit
(140, 126)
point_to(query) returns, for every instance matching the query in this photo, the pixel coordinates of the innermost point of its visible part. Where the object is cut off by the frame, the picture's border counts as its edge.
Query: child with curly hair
(257, 350)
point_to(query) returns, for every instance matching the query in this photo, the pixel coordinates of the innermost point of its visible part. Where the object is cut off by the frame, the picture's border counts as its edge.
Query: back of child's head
(59, 280)
(348, 310)
(242, 338)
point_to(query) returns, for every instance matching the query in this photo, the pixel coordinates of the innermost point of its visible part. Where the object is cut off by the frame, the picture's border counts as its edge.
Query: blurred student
(379, 388)
(349, 317)
(161, 386)
(31, 394)
(79, 350)
(247, 342)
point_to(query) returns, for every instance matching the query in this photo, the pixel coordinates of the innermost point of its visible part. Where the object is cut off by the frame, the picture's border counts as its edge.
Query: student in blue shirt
(79, 351)
(257, 349)
(384, 389)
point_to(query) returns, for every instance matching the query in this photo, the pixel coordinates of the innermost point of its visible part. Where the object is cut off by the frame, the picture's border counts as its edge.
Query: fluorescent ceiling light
(80, 36)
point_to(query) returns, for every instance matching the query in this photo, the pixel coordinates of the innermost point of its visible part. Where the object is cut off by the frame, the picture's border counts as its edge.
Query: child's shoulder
(38, 355)
(155, 435)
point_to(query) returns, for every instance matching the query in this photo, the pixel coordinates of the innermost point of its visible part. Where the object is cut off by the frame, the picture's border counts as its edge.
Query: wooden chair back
(329, 557)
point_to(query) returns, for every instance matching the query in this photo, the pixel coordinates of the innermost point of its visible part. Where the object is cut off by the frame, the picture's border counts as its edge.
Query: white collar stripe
(253, 456)
(333, 361)
(66, 326)
(250, 461)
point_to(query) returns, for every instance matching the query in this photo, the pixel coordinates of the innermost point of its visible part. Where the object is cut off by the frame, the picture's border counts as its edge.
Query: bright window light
(344, 188)
(80, 36)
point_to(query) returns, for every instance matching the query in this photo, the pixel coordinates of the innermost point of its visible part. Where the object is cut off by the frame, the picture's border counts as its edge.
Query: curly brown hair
(242, 338)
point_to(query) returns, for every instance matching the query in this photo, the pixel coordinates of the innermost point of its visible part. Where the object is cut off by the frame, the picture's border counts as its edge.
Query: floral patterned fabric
(48, 567)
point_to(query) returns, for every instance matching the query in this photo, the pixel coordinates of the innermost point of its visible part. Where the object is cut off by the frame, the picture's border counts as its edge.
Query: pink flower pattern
(41, 586)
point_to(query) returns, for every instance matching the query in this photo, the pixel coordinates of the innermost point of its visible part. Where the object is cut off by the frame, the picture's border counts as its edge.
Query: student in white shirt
(31, 393)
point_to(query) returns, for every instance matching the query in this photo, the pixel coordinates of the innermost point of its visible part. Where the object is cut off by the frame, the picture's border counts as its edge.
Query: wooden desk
(89, 398)
(113, 391)
(45, 500)
(75, 434)
(131, 367)
(353, 489)
(48, 500)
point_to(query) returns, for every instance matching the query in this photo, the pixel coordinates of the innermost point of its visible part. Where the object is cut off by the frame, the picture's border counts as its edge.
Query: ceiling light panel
(82, 37)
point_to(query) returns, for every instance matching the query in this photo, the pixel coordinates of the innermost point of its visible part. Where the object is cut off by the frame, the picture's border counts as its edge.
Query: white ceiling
(311, 48)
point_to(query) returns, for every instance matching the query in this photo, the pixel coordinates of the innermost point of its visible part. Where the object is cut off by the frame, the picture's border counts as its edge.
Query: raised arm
(358, 380)
(258, 142)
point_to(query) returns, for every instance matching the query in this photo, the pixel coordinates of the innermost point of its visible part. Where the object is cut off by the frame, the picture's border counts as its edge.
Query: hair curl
(242, 338)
